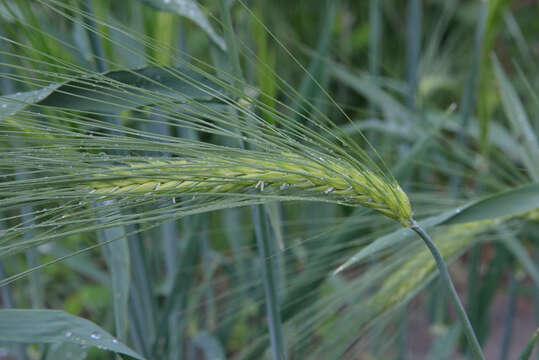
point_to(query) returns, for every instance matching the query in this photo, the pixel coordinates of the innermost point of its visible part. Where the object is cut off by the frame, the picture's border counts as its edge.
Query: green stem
(260, 222)
(270, 284)
(446, 278)
(95, 41)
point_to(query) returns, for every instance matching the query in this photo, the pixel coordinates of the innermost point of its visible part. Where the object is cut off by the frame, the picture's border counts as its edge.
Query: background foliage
(445, 91)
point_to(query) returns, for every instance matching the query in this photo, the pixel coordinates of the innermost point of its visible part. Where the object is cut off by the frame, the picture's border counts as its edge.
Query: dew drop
(4, 106)
(95, 336)
(68, 334)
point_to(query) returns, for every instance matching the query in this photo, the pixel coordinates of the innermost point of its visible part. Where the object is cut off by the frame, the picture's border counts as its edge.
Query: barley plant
(314, 179)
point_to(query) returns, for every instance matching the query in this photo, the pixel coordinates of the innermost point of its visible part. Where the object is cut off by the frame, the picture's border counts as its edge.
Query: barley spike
(284, 172)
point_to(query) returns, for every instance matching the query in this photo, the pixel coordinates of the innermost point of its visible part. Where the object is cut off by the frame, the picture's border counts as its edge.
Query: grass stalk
(509, 316)
(413, 48)
(260, 222)
(95, 42)
(270, 287)
(444, 272)
(9, 303)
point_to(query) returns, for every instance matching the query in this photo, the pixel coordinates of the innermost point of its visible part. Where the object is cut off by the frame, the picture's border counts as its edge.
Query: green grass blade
(54, 326)
(513, 244)
(270, 289)
(95, 41)
(414, 20)
(508, 317)
(117, 255)
(142, 298)
(527, 352)
(496, 10)
(107, 93)
(317, 68)
(371, 91)
(506, 203)
(191, 10)
(518, 118)
(81, 264)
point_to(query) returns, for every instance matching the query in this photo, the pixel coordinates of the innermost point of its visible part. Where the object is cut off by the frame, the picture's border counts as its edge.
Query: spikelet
(285, 172)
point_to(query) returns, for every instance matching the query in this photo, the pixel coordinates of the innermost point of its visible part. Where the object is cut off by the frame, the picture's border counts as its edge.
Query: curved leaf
(191, 10)
(507, 203)
(11, 104)
(54, 326)
(116, 91)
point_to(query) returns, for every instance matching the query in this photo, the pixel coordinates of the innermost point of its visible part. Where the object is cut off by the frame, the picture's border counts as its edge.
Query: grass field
(233, 179)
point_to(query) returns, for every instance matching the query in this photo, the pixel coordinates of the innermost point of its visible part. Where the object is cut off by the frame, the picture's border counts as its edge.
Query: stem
(260, 222)
(95, 41)
(270, 284)
(446, 278)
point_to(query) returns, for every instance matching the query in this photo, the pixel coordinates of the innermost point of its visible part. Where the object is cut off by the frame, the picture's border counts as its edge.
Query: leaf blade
(55, 326)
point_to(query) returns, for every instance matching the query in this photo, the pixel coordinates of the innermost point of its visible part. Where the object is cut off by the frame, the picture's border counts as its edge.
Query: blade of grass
(513, 244)
(518, 118)
(8, 302)
(260, 221)
(470, 91)
(191, 10)
(117, 256)
(54, 326)
(508, 317)
(116, 252)
(317, 68)
(141, 295)
(496, 9)
(527, 352)
(414, 18)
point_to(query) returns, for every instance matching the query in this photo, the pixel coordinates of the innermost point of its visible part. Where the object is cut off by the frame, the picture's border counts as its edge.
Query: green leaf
(367, 87)
(519, 251)
(191, 10)
(54, 326)
(519, 121)
(118, 261)
(507, 203)
(11, 104)
(527, 352)
(116, 91)
(65, 351)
